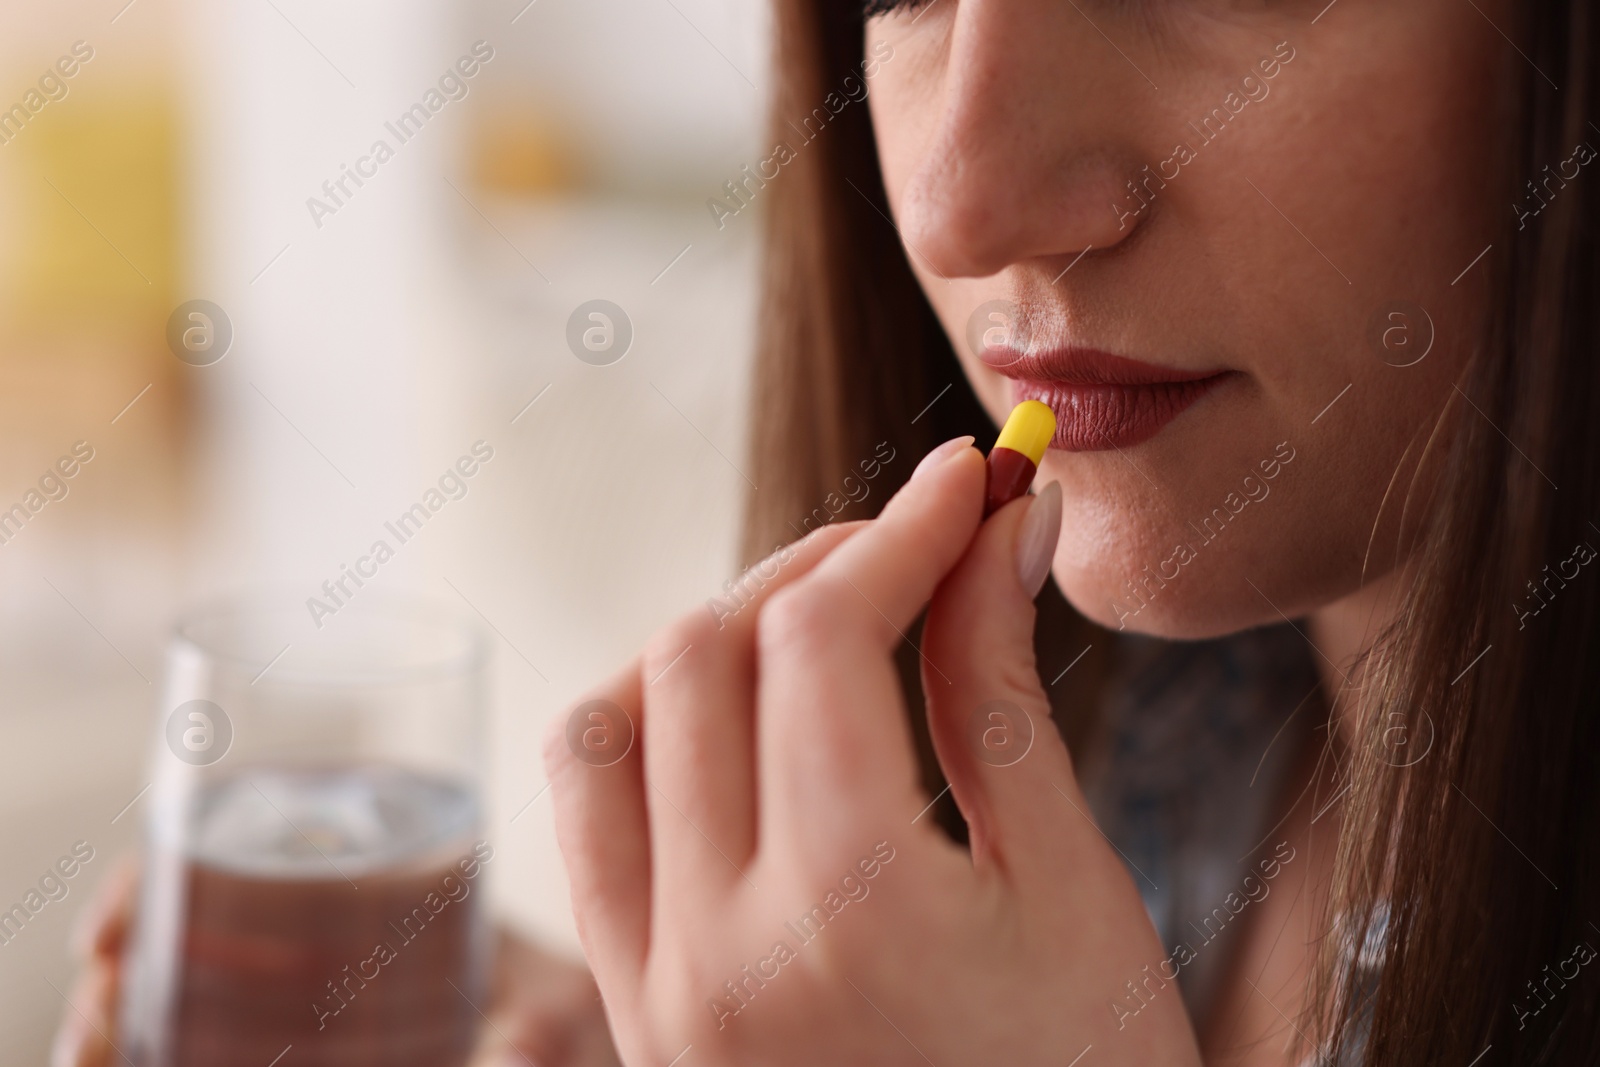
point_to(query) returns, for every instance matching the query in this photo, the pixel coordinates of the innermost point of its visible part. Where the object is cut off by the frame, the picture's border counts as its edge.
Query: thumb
(988, 712)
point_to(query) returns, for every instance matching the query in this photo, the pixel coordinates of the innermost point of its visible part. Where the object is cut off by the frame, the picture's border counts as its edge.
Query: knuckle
(803, 617)
(596, 732)
(667, 645)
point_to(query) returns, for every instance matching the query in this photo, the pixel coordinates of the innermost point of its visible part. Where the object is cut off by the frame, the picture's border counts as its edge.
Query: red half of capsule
(1009, 473)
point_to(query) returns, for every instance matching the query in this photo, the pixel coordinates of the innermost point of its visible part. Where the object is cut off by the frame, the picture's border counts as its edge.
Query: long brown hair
(1485, 851)
(1477, 863)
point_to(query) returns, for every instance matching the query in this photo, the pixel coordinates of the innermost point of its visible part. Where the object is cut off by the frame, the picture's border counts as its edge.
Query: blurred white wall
(373, 350)
(370, 352)
(660, 96)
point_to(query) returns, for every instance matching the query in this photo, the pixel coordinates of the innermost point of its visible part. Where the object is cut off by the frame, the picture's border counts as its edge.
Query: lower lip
(1094, 418)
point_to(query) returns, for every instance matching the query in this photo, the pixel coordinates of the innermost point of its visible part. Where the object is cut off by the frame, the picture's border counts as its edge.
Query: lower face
(1231, 244)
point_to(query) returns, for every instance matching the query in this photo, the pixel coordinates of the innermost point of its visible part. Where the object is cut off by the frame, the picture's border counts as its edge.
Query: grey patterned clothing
(1186, 779)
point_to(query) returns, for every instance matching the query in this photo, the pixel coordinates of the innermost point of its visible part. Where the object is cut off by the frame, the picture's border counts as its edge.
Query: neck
(1343, 632)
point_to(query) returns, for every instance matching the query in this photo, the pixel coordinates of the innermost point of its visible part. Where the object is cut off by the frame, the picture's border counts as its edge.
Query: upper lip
(1085, 366)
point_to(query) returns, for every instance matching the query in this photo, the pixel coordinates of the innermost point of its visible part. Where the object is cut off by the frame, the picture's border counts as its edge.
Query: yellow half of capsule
(1028, 430)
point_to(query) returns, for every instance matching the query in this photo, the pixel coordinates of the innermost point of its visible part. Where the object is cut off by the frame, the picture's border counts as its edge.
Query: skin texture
(1008, 128)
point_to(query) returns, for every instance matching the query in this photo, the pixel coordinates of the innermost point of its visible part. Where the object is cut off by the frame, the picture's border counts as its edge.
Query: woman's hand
(754, 881)
(85, 1037)
(543, 1010)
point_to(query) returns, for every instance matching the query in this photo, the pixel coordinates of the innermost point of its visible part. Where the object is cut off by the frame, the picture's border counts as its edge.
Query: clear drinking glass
(313, 879)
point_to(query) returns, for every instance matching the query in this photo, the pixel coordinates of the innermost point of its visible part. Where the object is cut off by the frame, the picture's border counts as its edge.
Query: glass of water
(313, 875)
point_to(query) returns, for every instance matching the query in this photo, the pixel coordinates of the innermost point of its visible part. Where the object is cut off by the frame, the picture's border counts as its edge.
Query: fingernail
(1037, 537)
(940, 454)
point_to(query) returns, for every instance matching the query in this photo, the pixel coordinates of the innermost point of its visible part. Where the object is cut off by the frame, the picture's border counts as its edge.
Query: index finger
(835, 747)
(84, 1038)
(101, 929)
(603, 814)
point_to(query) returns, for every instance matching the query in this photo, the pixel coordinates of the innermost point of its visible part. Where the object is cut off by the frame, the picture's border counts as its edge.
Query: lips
(1101, 401)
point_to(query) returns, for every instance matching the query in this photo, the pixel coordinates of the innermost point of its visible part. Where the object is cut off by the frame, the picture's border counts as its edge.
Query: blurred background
(201, 150)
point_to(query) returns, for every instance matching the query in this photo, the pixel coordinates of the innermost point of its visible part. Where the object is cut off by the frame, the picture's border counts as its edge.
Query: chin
(1175, 618)
(1134, 580)
(1174, 613)
(1201, 532)
(1126, 581)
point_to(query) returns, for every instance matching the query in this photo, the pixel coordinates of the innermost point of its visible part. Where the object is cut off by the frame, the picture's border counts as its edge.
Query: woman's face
(1270, 206)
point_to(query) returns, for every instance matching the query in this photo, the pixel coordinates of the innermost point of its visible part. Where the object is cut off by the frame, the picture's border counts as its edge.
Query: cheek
(1360, 226)
(904, 100)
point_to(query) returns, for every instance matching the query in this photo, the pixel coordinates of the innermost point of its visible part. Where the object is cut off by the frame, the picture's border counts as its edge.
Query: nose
(1034, 145)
